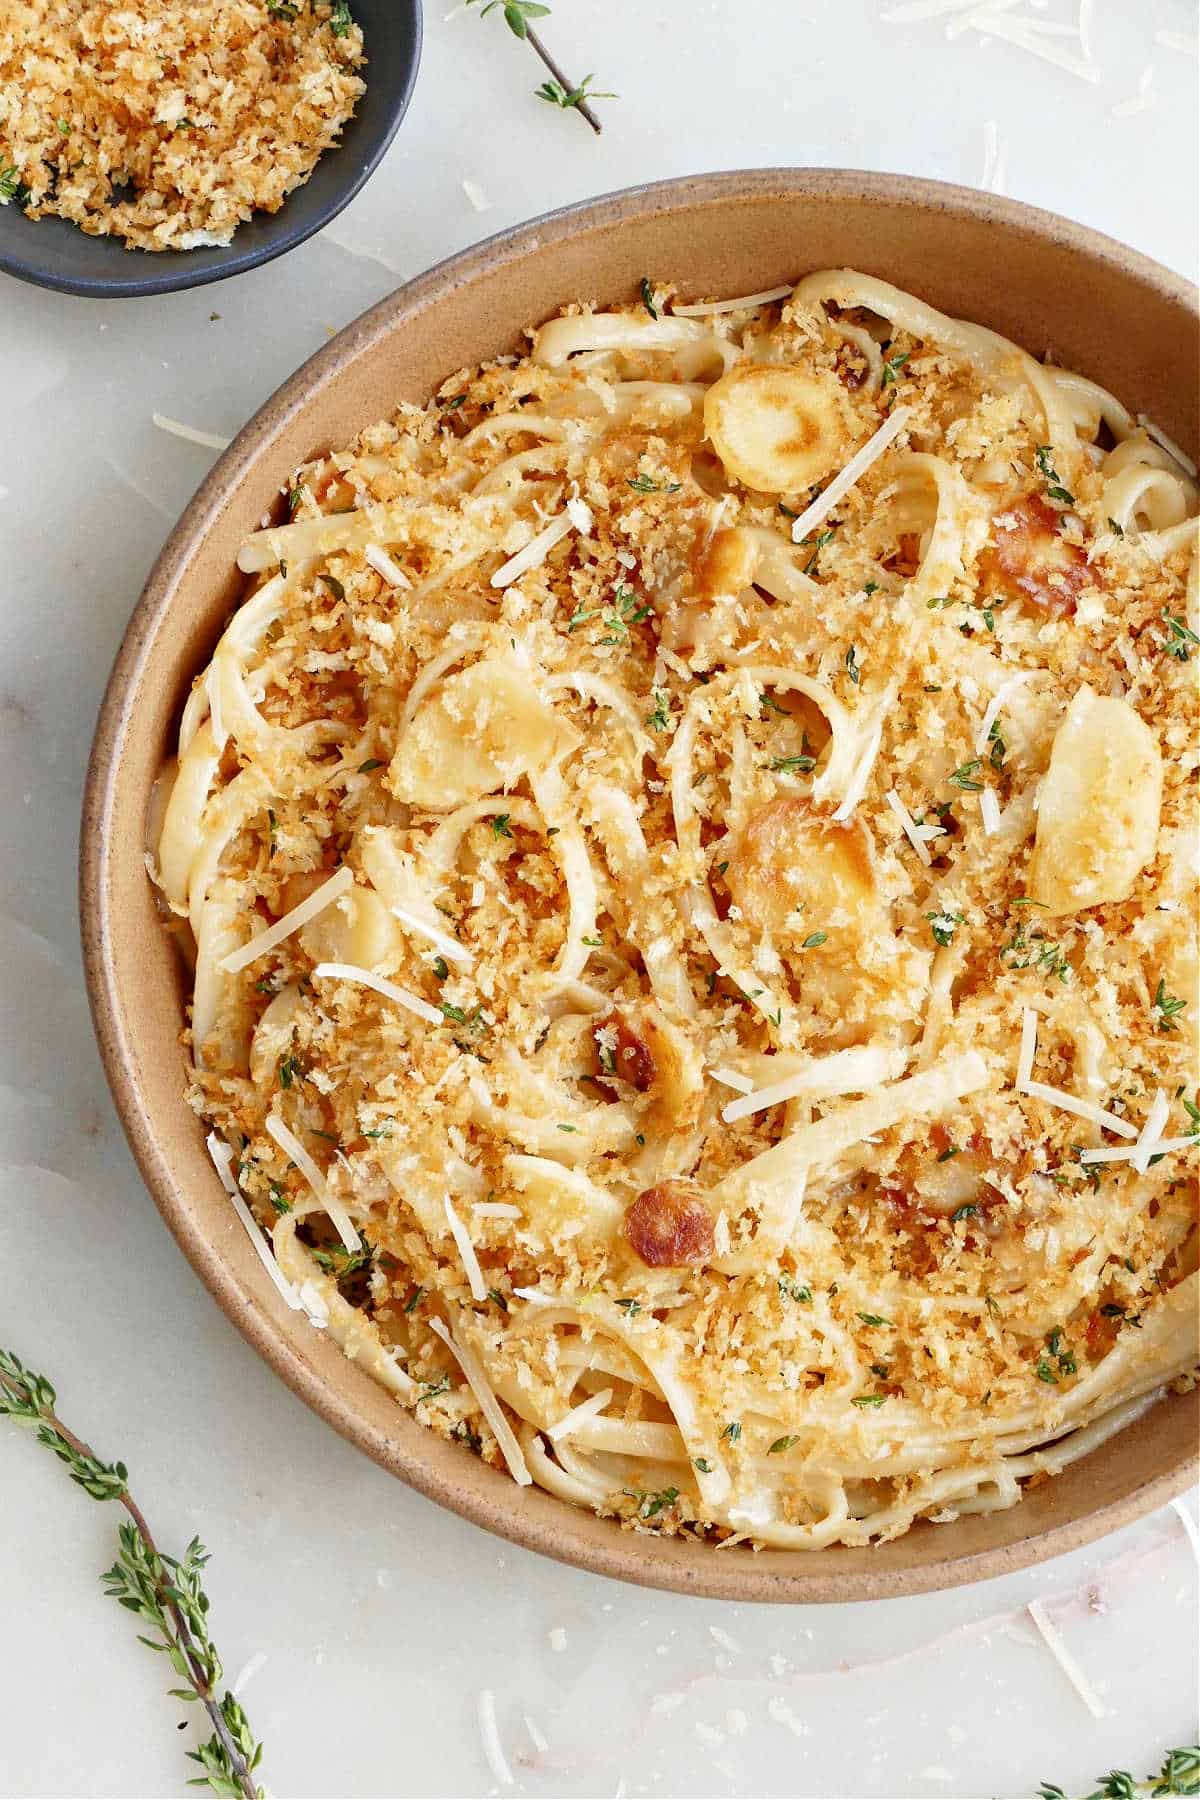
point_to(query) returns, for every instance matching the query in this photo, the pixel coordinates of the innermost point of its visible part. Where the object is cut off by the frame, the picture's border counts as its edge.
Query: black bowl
(54, 253)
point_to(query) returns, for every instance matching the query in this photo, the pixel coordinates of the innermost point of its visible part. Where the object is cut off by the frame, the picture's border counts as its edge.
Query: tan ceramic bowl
(1051, 286)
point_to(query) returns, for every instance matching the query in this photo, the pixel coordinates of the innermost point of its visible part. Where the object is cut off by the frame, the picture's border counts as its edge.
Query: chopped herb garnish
(278, 1198)
(999, 749)
(500, 825)
(993, 1306)
(782, 1444)
(1054, 488)
(853, 669)
(1117, 530)
(438, 1388)
(1180, 638)
(648, 297)
(372, 762)
(593, 943)
(383, 1130)
(288, 1071)
(341, 1263)
(963, 1212)
(1168, 1007)
(942, 925)
(791, 1289)
(650, 1505)
(702, 1463)
(772, 705)
(733, 1431)
(1032, 951)
(873, 1319)
(645, 484)
(295, 495)
(892, 368)
(660, 718)
(964, 778)
(630, 1307)
(868, 1400)
(870, 587)
(568, 1128)
(418, 1294)
(814, 940)
(340, 20)
(334, 585)
(799, 764)
(947, 1155)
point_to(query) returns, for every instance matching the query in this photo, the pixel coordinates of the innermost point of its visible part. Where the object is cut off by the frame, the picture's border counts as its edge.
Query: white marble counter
(368, 1620)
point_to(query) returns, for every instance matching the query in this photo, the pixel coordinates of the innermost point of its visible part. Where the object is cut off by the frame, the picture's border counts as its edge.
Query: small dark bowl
(54, 253)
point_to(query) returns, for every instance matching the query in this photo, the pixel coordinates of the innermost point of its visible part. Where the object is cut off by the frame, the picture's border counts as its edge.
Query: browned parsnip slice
(1098, 813)
(791, 859)
(482, 731)
(775, 429)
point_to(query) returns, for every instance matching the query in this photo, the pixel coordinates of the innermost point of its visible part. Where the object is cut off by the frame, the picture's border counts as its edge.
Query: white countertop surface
(368, 1620)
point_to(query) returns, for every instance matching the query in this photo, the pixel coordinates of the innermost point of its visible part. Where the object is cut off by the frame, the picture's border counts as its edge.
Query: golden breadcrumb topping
(169, 122)
(650, 809)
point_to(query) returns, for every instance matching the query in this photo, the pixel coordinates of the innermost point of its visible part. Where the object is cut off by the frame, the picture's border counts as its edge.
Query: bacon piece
(1028, 558)
(670, 1227)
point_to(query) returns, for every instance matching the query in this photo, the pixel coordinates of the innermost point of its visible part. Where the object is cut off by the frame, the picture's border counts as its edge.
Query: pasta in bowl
(687, 845)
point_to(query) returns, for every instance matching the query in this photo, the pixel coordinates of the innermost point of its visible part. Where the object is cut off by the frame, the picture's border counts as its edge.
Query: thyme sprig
(165, 1592)
(560, 90)
(1180, 1774)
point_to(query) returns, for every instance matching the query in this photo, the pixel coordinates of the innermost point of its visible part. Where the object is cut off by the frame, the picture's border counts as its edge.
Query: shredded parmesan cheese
(842, 1072)
(1156, 1118)
(488, 1730)
(989, 811)
(480, 202)
(324, 896)
(291, 1146)
(466, 1251)
(575, 518)
(742, 1084)
(495, 1209)
(380, 985)
(386, 566)
(853, 472)
(909, 826)
(489, 1406)
(998, 700)
(209, 440)
(1038, 1090)
(704, 307)
(450, 947)
(857, 785)
(1028, 1049)
(1065, 1660)
(1189, 1525)
(222, 1157)
(579, 1415)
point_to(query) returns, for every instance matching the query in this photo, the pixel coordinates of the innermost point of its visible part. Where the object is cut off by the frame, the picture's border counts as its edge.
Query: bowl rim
(498, 1504)
(151, 275)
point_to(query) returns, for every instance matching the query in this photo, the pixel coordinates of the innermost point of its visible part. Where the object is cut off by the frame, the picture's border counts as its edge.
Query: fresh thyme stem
(568, 87)
(559, 90)
(163, 1590)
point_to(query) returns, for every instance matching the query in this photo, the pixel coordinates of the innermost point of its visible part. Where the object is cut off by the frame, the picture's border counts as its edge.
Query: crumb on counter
(169, 122)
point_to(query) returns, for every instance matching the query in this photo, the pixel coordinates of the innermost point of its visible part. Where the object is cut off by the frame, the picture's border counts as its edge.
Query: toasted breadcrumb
(169, 122)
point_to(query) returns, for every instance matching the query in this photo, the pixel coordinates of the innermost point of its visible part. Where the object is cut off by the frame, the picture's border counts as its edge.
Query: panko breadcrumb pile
(168, 123)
